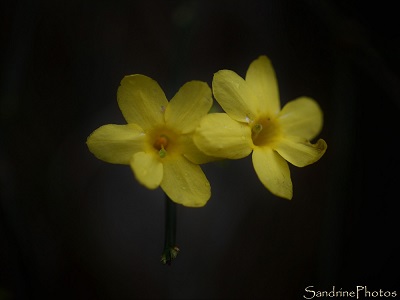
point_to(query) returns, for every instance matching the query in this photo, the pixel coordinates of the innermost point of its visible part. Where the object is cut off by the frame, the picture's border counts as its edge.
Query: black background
(74, 227)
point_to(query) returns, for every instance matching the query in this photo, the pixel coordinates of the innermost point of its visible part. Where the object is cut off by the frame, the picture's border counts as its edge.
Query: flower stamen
(161, 144)
(264, 132)
(162, 152)
(256, 129)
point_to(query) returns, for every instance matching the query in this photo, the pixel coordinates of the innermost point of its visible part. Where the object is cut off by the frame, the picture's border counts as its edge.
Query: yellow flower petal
(273, 171)
(220, 136)
(262, 80)
(300, 152)
(188, 106)
(301, 117)
(235, 96)
(185, 182)
(116, 143)
(142, 101)
(148, 169)
(193, 153)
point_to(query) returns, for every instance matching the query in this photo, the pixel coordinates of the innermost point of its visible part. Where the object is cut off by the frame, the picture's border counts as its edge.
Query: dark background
(74, 227)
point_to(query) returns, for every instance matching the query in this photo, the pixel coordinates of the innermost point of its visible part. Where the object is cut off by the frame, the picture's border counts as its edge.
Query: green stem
(170, 249)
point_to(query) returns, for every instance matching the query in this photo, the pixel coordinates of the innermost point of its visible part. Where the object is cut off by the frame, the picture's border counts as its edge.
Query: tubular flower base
(157, 141)
(255, 123)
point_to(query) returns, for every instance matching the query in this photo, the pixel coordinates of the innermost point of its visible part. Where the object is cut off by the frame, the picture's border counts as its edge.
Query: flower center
(264, 131)
(161, 144)
(164, 141)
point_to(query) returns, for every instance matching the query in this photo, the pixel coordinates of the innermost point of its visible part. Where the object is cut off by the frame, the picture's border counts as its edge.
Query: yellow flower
(254, 122)
(157, 142)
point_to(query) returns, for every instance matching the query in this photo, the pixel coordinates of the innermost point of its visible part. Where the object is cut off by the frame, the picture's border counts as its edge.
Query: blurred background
(74, 227)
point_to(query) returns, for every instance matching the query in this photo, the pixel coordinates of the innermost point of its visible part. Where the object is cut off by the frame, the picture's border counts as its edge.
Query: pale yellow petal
(188, 106)
(142, 101)
(148, 169)
(273, 171)
(193, 153)
(220, 136)
(116, 143)
(185, 182)
(235, 96)
(300, 152)
(301, 117)
(261, 79)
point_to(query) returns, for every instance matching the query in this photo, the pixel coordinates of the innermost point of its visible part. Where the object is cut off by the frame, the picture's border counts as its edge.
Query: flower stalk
(170, 248)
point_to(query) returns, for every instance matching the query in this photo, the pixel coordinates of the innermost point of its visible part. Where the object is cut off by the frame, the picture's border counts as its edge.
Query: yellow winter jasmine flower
(254, 122)
(157, 140)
